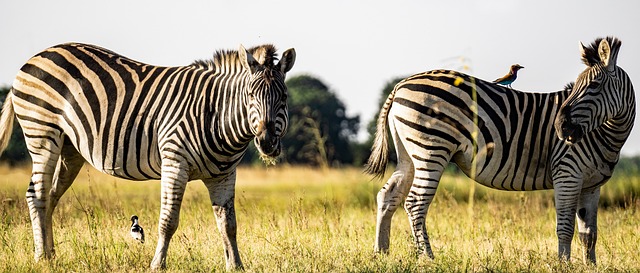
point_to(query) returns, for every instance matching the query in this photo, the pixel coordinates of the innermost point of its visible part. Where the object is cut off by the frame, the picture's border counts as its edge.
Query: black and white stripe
(506, 139)
(79, 102)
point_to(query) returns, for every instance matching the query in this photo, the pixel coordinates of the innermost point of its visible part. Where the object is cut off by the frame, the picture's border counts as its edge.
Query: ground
(296, 219)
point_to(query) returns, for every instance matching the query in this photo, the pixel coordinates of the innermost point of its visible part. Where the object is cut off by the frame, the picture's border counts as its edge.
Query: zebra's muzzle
(267, 140)
(571, 133)
(565, 128)
(574, 136)
(269, 146)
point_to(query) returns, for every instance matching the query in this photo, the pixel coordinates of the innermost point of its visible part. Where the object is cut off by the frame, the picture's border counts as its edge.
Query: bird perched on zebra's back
(136, 230)
(510, 77)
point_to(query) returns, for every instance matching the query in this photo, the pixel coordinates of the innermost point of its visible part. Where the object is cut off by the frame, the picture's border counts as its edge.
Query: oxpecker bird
(510, 77)
(136, 230)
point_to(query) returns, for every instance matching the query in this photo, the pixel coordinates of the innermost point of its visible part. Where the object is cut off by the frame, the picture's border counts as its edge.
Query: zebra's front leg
(389, 199)
(174, 182)
(222, 195)
(566, 194)
(588, 223)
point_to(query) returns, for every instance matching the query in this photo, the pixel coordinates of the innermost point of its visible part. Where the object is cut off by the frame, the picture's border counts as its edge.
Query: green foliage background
(16, 153)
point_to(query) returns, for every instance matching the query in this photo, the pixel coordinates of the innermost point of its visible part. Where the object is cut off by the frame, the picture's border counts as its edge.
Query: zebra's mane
(569, 86)
(222, 58)
(590, 54)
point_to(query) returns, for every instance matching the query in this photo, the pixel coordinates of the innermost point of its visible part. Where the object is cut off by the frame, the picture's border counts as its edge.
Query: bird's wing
(503, 78)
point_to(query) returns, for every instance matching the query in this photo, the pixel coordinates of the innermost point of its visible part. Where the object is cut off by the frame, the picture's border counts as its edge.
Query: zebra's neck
(223, 117)
(616, 130)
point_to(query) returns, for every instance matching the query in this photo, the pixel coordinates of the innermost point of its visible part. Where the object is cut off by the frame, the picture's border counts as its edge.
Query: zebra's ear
(287, 61)
(247, 60)
(604, 50)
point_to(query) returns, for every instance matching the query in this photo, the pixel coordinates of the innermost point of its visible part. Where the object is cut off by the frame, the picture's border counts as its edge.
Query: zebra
(569, 141)
(78, 102)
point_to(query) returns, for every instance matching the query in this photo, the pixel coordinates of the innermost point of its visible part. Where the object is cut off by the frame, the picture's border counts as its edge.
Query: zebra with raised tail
(569, 141)
(77, 102)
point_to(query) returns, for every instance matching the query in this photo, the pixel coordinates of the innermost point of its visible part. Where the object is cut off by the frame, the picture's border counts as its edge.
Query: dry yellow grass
(293, 219)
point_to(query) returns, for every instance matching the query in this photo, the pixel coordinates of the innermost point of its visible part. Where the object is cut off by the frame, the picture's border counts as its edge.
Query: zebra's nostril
(566, 128)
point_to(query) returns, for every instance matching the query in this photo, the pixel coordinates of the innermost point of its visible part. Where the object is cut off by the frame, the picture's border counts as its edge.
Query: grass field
(308, 220)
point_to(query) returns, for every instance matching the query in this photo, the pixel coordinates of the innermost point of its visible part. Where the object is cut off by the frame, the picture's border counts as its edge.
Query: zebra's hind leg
(588, 223)
(67, 169)
(389, 199)
(44, 149)
(174, 182)
(391, 196)
(428, 171)
(222, 195)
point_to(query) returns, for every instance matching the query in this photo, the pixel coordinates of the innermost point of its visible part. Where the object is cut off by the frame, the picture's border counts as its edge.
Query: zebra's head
(266, 96)
(598, 94)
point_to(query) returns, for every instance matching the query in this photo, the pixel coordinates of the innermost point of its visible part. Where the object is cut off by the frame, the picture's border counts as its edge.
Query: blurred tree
(629, 166)
(320, 132)
(364, 149)
(386, 90)
(16, 153)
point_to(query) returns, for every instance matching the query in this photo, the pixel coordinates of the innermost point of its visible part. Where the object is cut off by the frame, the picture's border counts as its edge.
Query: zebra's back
(109, 106)
(500, 137)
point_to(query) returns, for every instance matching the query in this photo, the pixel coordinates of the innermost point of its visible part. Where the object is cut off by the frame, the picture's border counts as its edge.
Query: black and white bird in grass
(136, 230)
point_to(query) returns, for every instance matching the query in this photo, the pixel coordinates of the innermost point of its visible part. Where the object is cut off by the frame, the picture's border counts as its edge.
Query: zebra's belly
(128, 162)
(127, 173)
(130, 172)
(512, 175)
(515, 182)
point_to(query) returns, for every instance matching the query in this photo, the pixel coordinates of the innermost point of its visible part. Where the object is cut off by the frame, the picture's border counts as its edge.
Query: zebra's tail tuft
(377, 163)
(6, 122)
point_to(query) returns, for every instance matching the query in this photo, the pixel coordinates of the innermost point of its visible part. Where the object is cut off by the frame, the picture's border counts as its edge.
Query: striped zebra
(569, 141)
(78, 102)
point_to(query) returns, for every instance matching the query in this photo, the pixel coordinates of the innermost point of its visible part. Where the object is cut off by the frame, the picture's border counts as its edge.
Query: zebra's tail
(6, 122)
(377, 163)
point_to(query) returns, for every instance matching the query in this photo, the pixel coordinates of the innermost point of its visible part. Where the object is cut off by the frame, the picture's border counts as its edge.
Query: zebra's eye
(593, 85)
